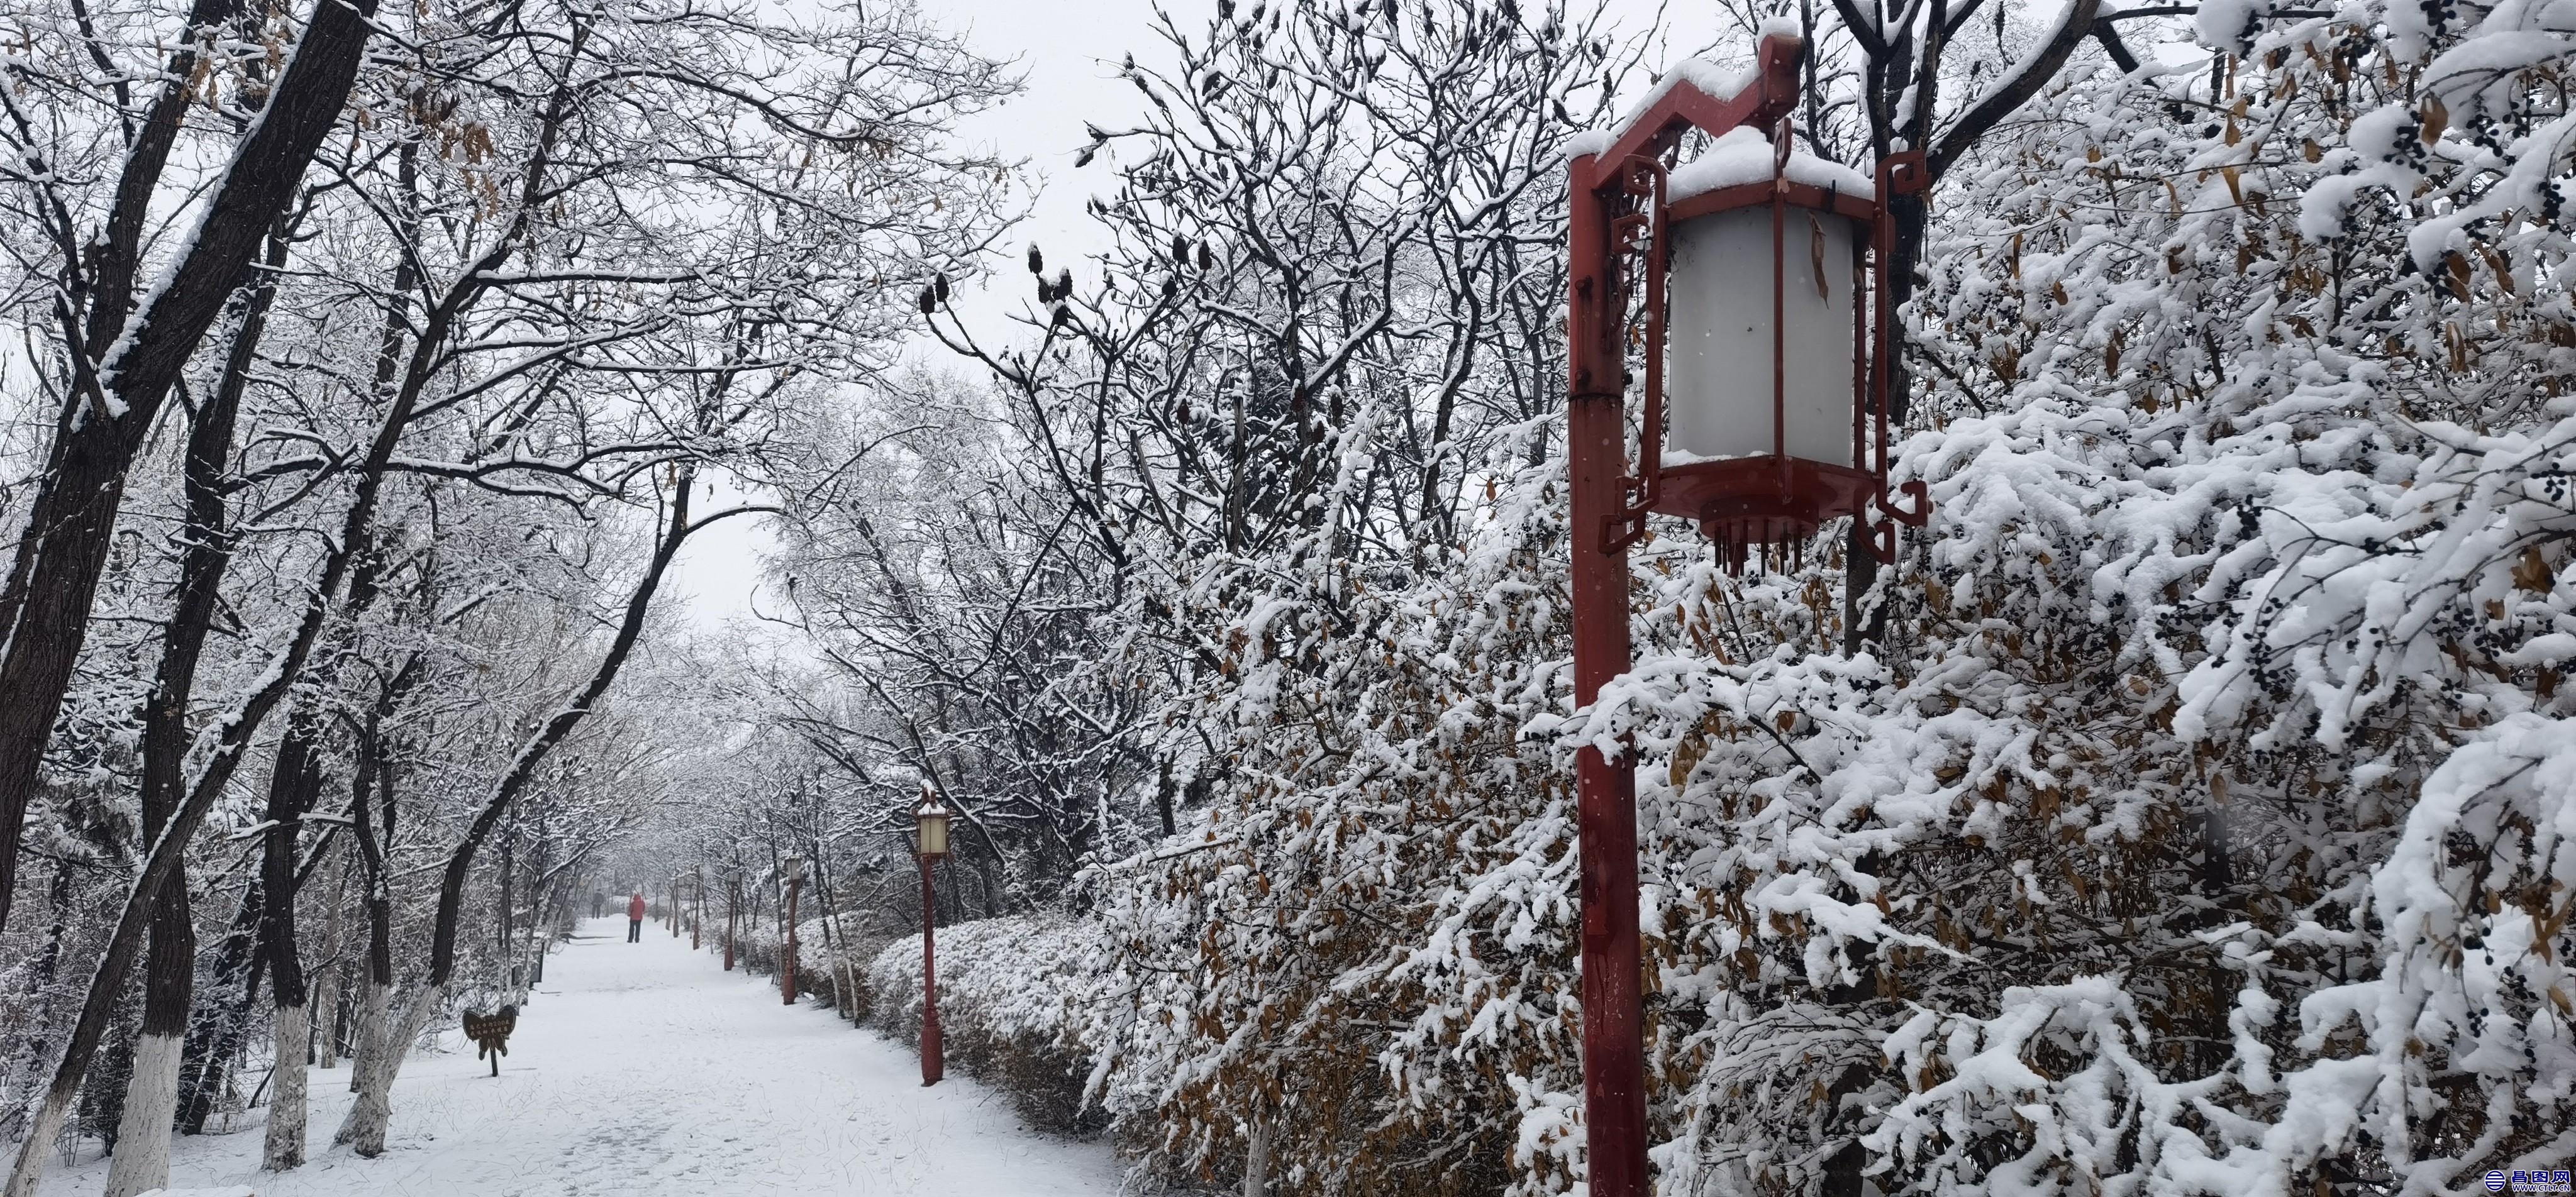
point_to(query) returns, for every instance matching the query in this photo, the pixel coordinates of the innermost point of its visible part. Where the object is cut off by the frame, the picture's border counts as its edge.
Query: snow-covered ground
(645, 1070)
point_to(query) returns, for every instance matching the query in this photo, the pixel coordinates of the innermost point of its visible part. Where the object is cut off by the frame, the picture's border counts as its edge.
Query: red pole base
(933, 1061)
(787, 968)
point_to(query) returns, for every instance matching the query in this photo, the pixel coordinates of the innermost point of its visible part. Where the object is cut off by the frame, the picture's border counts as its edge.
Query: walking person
(635, 918)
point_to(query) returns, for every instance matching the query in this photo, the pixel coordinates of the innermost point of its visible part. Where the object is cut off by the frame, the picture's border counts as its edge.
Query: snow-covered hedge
(1010, 992)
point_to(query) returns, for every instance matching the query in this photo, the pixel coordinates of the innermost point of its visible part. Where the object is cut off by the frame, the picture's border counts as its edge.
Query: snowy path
(645, 1070)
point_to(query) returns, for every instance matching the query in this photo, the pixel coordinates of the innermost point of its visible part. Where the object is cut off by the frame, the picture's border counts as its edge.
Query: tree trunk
(215, 1035)
(509, 894)
(292, 787)
(284, 1148)
(377, 977)
(326, 992)
(142, 1161)
(1256, 1158)
(368, 1069)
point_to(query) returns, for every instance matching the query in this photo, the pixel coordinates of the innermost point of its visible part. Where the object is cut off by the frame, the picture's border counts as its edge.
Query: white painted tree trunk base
(1256, 1159)
(41, 1133)
(370, 1048)
(142, 1160)
(326, 1006)
(284, 1148)
(364, 1130)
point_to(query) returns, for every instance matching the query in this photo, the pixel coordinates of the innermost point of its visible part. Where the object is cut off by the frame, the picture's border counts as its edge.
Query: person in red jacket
(635, 918)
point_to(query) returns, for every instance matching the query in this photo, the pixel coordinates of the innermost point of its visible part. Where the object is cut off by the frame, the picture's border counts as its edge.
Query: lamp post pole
(929, 843)
(732, 893)
(933, 1054)
(697, 904)
(787, 968)
(1614, 1079)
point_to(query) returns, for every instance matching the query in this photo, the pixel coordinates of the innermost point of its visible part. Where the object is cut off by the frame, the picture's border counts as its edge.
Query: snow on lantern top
(1742, 156)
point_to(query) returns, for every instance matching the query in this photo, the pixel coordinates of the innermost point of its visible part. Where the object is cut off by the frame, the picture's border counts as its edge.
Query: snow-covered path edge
(645, 1070)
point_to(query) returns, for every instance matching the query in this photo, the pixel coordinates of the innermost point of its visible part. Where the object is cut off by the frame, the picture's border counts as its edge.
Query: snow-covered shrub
(1008, 992)
(1300, 954)
(1330, 337)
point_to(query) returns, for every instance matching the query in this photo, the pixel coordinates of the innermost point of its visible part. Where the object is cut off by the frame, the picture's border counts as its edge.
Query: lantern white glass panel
(1718, 335)
(932, 837)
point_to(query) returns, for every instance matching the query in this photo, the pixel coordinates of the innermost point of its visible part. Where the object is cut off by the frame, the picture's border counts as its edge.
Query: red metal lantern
(1758, 267)
(1752, 267)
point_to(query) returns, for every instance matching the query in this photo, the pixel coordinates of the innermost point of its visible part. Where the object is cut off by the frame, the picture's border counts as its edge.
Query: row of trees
(2181, 814)
(375, 366)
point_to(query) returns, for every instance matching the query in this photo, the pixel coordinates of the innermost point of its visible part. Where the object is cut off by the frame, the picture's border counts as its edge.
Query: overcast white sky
(1067, 53)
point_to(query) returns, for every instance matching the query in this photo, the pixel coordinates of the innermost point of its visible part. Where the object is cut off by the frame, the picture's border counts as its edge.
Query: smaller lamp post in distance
(793, 868)
(733, 895)
(930, 843)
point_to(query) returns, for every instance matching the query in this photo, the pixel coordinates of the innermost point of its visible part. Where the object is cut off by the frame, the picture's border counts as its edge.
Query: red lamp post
(1772, 391)
(794, 868)
(732, 892)
(930, 843)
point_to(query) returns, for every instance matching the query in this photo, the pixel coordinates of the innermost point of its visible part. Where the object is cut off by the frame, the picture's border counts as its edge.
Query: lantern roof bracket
(1697, 94)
